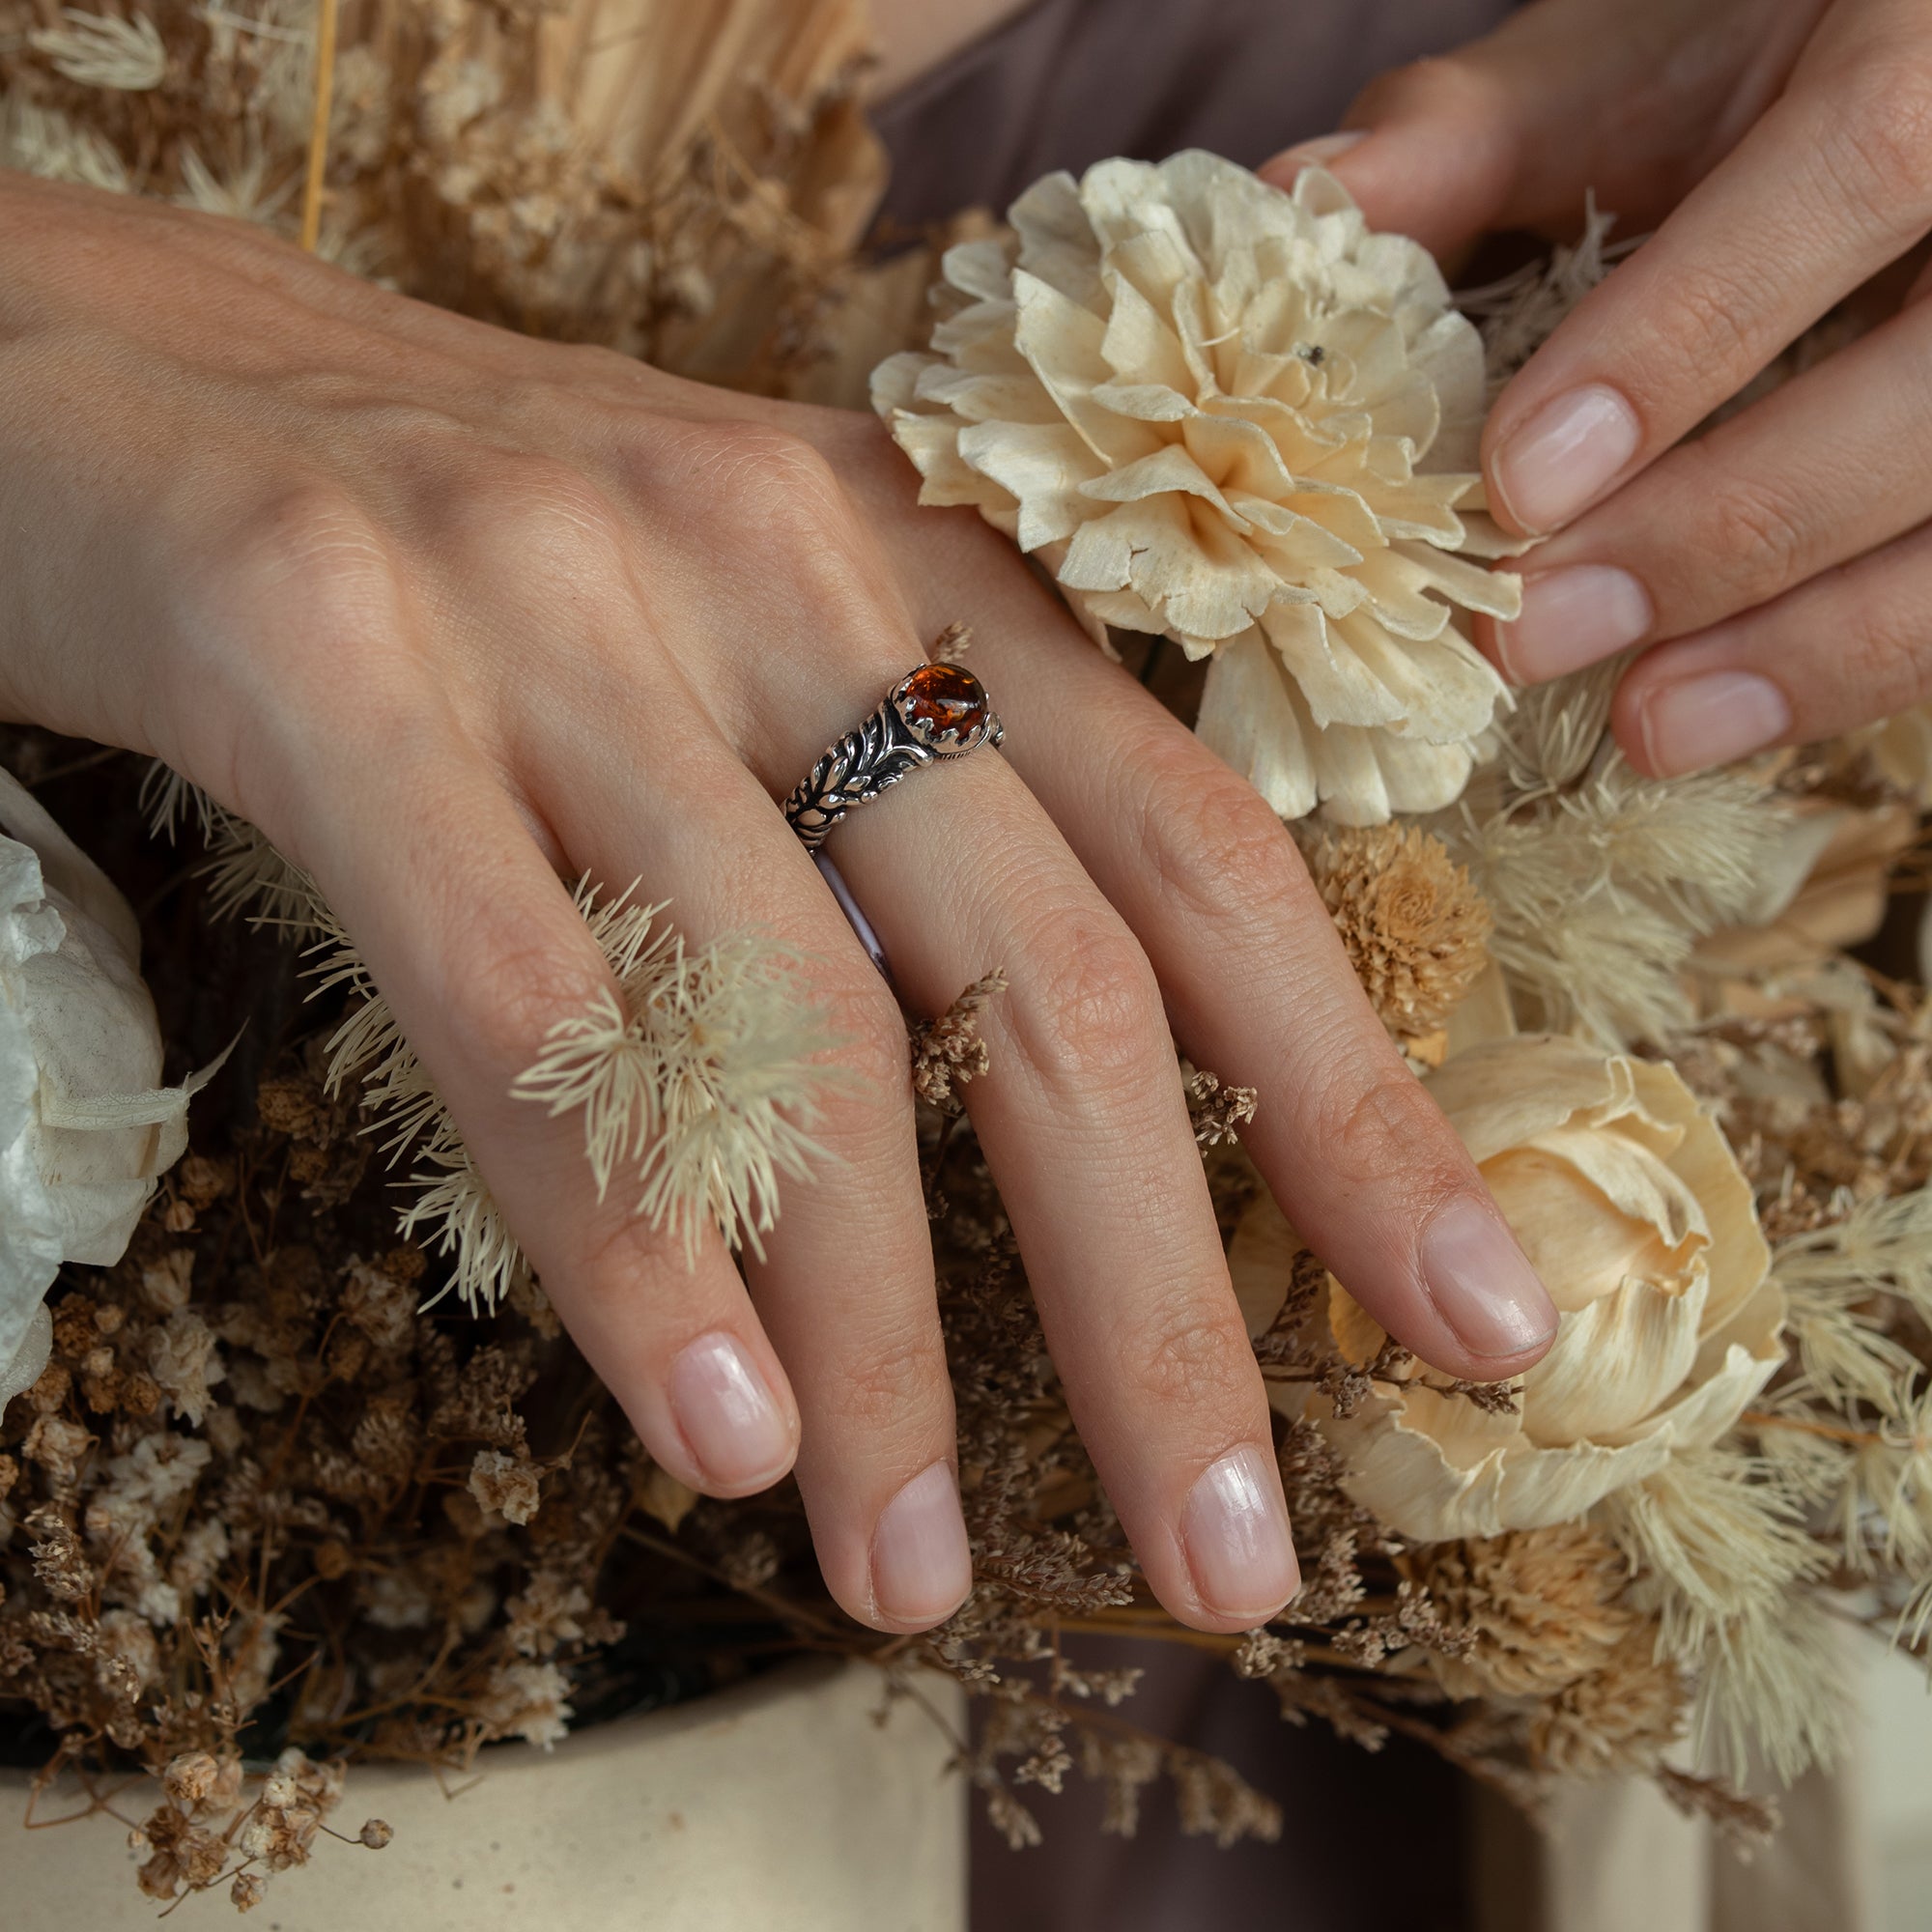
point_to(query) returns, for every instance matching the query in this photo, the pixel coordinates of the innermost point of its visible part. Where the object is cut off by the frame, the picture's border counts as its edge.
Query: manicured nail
(1481, 1283)
(1572, 618)
(1235, 1534)
(1697, 721)
(728, 1416)
(1565, 455)
(921, 1567)
(1316, 154)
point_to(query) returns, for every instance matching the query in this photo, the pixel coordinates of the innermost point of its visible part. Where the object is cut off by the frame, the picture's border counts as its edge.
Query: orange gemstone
(941, 701)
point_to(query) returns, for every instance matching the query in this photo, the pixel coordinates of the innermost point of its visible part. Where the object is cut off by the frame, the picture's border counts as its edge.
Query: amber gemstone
(941, 701)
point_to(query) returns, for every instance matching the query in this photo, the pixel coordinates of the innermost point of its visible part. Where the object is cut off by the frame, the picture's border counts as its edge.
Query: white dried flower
(1234, 417)
(99, 50)
(85, 1126)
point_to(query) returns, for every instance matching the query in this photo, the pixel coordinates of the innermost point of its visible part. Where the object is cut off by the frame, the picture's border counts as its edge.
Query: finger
(479, 952)
(1845, 649)
(630, 772)
(1823, 470)
(1261, 991)
(959, 870)
(845, 1283)
(1083, 1125)
(1255, 980)
(1833, 183)
(1564, 100)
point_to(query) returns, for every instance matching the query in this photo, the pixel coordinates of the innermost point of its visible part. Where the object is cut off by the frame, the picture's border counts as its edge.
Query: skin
(452, 615)
(1776, 572)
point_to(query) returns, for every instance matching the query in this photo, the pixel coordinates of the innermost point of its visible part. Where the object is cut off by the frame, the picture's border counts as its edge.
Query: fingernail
(1572, 618)
(1315, 154)
(1481, 1283)
(727, 1414)
(1710, 720)
(1565, 455)
(1235, 1534)
(921, 1567)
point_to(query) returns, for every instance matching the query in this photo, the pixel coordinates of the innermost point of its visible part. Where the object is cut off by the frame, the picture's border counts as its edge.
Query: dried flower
(1412, 923)
(948, 1053)
(1236, 418)
(1545, 1606)
(1634, 1212)
(1621, 1717)
(99, 50)
(85, 1126)
(697, 1078)
(505, 1487)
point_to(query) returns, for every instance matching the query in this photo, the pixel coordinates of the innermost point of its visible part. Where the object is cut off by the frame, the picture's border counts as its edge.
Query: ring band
(935, 712)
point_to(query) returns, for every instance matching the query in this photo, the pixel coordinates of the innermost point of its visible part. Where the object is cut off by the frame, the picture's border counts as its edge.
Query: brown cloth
(1069, 82)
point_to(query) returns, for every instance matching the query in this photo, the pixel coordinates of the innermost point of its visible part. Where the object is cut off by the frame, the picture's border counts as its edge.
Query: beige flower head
(1641, 1225)
(1236, 418)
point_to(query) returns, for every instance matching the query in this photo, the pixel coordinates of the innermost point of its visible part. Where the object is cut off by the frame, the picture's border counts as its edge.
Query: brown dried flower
(1414, 924)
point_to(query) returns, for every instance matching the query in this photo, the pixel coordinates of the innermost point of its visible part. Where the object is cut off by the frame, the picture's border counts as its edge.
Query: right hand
(447, 611)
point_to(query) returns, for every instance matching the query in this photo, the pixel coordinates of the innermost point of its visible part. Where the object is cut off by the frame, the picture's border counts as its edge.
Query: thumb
(1514, 129)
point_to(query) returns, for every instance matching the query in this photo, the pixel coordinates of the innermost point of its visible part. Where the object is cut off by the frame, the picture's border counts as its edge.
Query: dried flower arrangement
(265, 1508)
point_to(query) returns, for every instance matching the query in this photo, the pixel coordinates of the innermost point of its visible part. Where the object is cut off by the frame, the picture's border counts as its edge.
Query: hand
(445, 610)
(1779, 568)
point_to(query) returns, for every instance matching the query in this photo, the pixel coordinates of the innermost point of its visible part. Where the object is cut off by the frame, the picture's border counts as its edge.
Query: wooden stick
(318, 134)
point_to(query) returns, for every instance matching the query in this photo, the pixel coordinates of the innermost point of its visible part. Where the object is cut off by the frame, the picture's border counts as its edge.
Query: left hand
(1779, 568)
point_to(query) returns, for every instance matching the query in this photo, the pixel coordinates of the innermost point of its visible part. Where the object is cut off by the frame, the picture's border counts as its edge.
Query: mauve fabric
(1069, 82)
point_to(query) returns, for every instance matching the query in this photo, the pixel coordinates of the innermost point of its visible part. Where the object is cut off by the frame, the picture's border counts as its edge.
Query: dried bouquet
(283, 1484)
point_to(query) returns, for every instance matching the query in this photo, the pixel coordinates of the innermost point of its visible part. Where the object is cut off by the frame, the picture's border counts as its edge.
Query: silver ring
(937, 711)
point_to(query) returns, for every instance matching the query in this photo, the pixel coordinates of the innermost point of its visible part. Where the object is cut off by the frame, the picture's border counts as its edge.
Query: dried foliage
(541, 165)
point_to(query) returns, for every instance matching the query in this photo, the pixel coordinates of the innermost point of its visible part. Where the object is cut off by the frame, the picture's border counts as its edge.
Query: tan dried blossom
(376, 1834)
(247, 1892)
(506, 1488)
(1547, 1606)
(948, 1053)
(40, 140)
(1234, 417)
(547, 1613)
(1414, 927)
(1618, 1718)
(185, 1363)
(527, 1700)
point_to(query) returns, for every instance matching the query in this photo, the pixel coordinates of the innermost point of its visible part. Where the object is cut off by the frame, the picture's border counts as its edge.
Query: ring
(938, 711)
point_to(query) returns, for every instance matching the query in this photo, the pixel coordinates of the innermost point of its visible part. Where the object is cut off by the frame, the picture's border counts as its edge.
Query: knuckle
(870, 1035)
(311, 555)
(1758, 531)
(894, 1385)
(550, 521)
(517, 993)
(1713, 323)
(1213, 844)
(1188, 1354)
(1092, 1009)
(1878, 138)
(1888, 658)
(1374, 1126)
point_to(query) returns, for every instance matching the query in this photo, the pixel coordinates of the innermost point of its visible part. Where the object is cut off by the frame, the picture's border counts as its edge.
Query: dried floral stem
(317, 139)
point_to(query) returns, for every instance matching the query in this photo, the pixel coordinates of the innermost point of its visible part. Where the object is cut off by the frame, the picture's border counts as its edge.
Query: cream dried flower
(1236, 418)
(1637, 1217)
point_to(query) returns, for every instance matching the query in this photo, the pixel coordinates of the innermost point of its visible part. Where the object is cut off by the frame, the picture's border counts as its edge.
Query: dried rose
(1637, 1215)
